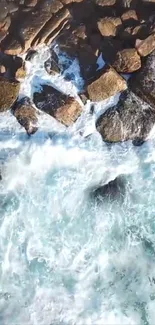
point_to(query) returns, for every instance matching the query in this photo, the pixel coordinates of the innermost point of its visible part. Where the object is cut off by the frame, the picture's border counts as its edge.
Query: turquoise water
(66, 256)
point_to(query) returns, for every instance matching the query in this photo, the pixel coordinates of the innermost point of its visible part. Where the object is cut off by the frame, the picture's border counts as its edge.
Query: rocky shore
(122, 32)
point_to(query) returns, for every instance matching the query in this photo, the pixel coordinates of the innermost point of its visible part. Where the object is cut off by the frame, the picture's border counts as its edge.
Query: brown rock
(21, 73)
(146, 46)
(26, 115)
(66, 2)
(80, 32)
(109, 26)
(129, 15)
(52, 28)
(8, 93)
(105, 3)
(64, 108)
(108, 84)
(31, 25)
(127, 61)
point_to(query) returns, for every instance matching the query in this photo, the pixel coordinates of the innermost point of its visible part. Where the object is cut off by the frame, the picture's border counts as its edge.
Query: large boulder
(143, 82)
(9, 91)
(109, 26)
(64, 108)
(127, 61)
(109, 83)
(130, 119)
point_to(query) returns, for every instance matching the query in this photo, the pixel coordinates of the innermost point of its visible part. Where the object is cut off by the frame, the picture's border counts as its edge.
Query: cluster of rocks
(121, 31)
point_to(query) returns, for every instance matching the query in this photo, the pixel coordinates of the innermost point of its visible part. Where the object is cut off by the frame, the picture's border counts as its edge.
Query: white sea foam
(65, 257)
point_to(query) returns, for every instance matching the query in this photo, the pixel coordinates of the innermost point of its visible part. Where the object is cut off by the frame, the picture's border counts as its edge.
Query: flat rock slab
(130, 119)
(9, 91)
(64, 108)
(107, 85)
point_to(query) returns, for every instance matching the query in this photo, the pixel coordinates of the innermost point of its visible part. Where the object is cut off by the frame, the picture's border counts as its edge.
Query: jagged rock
(52, 67)
(26, 115)
(145, 47)
(30, 55)
(64, 108)
(9, 91)
(132, 33)
(52, 28)
(113, 190)
(80, 32)
(143, 82)
(105, 3)
(108, 84)
(127, 61)
(130, 119)
(109, 26)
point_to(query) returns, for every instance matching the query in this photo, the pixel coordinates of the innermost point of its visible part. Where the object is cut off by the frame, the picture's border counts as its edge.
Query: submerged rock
(130, 119)
(64, 108)
(26, 115)
(9, 91)
(106, 85)
(114, 190)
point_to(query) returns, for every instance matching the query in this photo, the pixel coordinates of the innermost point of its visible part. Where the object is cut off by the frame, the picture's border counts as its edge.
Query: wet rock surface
(8, 93)
(130, 119)
(64, 108)
(122, 31)
(26, 115)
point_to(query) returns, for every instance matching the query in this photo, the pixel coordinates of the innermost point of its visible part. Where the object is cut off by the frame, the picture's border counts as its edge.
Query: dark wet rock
(128, 3)
(145, 47)
(127, 61)
(109, 26)
(9, 91)
(130, 119)
(26, 115)
(52, 67)
(30, 55)
(109, 83)
(130, 34)
(143, 82)
(11, 64)
(114, 190)
(64, 108)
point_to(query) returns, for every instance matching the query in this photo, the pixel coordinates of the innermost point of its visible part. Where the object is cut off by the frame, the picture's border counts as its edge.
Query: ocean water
(67, 257)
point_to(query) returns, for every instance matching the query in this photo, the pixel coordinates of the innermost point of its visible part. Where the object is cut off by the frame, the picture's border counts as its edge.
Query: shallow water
(65, 257)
